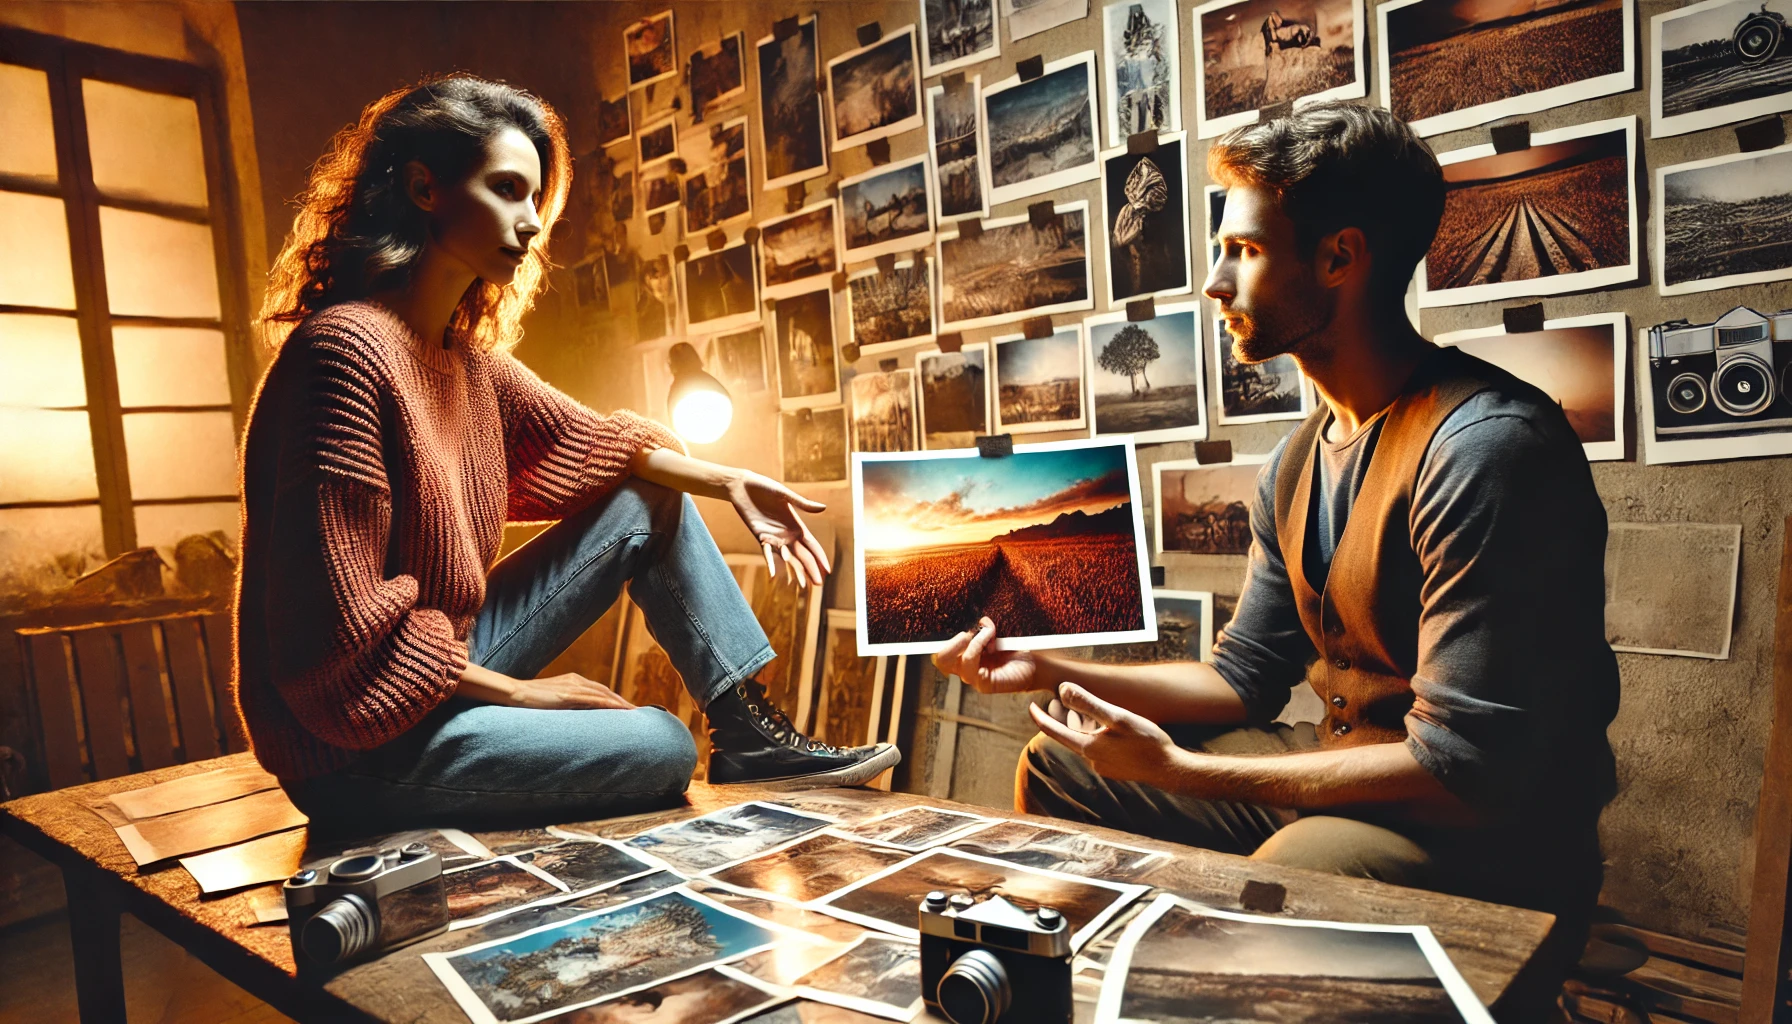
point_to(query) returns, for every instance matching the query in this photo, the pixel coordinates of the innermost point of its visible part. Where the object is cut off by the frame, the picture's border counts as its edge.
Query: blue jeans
(469, 764)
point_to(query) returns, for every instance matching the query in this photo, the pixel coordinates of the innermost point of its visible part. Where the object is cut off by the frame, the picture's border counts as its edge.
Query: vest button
(1338, 701)
(1341, 664)
(1342, 728)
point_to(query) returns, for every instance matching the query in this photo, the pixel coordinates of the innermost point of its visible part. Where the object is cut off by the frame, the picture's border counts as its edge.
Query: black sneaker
(752, 741)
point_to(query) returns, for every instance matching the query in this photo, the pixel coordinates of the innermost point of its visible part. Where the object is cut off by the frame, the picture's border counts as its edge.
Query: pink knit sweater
(378, 473)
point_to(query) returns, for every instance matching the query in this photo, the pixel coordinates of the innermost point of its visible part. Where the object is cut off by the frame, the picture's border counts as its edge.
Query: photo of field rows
(1015, 268)
(1445, 56)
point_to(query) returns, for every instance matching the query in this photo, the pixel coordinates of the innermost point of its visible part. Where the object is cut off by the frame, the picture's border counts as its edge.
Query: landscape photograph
(1053, 849)
(875, 90)
(1720, 61)
(723, 837)
(648, 50)
(808, 369)
(797, 247)
(1146, 378)
(1041, 133)
(956, 143)
(612, 121)
(887, 209)
(657, 142)
(1039, 381)
(480, 890)
(791, 120)
(1258, 53)
(889, 310)
(716, 190)
(1047, 542)
(955, 33)
(883, 411)
(1143, 89)
(1579, 365)
(954, 396)
(1205, 509)
(811, 868)
(878, 974)
(1145, 209)
(1725, 221)
(813, 445)
(582, 866)
(715, 75)
(1256, 392)
(738, 359)
(702, 998)
(719, 288)
(1014, 268)
(1184, 631)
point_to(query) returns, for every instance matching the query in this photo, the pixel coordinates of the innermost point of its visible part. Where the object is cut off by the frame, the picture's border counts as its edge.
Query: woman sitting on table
(386, 667)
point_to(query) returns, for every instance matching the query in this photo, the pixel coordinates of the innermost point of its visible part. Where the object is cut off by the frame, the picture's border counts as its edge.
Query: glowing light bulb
(701, 416)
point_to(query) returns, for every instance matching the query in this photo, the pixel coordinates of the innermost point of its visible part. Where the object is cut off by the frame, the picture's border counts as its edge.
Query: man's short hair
(1337, 165)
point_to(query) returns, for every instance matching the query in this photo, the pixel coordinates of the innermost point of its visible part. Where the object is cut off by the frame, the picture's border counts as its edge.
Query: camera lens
(974, 990)
(1757, 38)
(1686, 394)
(342, 929)
(1743, 386)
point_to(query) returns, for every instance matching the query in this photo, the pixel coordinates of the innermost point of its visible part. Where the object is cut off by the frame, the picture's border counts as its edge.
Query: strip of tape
(1511, 138)
(1213, 451)
(995, 446)
(1523, 319)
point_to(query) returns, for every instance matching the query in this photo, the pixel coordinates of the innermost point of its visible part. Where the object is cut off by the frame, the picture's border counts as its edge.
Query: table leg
(93, 930)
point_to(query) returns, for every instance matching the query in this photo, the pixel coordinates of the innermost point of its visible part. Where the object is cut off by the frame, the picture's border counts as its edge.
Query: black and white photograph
(1264, 392)
(1670, 588)
(1578, 361)
(808, 366)
(698, 845)
(1716, 389)
(1181, 963)
(1446, 65)
(891, 310)
(1039, 135)
(792, 124)
(1184, 633)
(656, 306)
(716, 75)
(874, 92)
(957, 33)
(1724, 221)
(1015, 269)
(612, 121)
(1031, 17)
(954, 389)
(479, 892)
(955, 142)
(813, 446)
(1146, 377)
(887, 209)
(917, 828)
(1039, 381)
(1139, 68)
(1056, 849)
(1145, 213)
(648, 48)
(659, 189)
(1559, 216)
(718, 995)
(797, 247)
(656, 142)
(1719, 62)
(717, 190)
(884, 417)
(1253, 54)
(585, 866)
(738, 360)
(809, 868)
(878, 974)
(720, 289)
(1204, 508)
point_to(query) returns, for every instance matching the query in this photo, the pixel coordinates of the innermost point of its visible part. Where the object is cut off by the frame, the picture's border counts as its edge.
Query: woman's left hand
(770, 510)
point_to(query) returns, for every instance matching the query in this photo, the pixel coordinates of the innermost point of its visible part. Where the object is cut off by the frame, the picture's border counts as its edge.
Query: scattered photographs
(720, 995)
(810, 868)
(1039, 381)
(851, 687)
(808, 367)
(1205, 508)
(1178, 961)
(884, 418)
(1446, 65)
(657, 142)
(1717, 62)
(1578, 361)
(812, 445)
(1557, 217)
(480, 892)
(1671, 588)
(727, 836)
(1265, 392)
(1049, 542)
(1258, 53)
(659, 190)
(791, 122)
(648, 48)
(1040, 135)
(516, 840)
(1709, 399)
(1146, 378)
(1725, 221)
(720, 288)
(612, 121)
(655, 305)
(1052, 849)
(738, 360)
(877, 975)
(954, 396)
(1016, 269)
(1184, 633)
(1144, 93)
(622, 197)
(875, 91)
(716, 190)
(956, 33)
(586, 866)
(891, 310)
(1144, 201)
(955, 142)
(797, 247)
(716, 76)
(887, 209)
(917, 828)
(1030, 17)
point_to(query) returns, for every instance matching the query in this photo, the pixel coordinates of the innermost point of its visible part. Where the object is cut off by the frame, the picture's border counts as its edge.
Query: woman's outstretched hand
(770, 510)
(968, 657)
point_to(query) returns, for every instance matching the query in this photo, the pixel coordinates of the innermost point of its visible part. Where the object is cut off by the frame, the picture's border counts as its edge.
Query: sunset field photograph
(1578, 362)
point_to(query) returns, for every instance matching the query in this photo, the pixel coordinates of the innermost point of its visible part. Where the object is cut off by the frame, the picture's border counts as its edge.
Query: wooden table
(1491, 945)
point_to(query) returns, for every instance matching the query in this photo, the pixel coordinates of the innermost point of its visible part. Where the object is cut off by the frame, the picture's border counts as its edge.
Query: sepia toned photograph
(851, 687)
(917, 828)
(716, 189)
(707, 997)
(479, 892)
(655, 305)
(505, 842)
(1724, 221)
(1048, 542)
(878, 974)
(1054, 849)
(1146, 378)
(716, 76)
(955, 142)
(584, 866)
(875, 91)
(1719, 62)
(891, 310)
(1264, 392)
(797, 247)
(954, 391)
(1185, 625)
(659, 189)
(657, 142)
(1205, 508)
(887, 209)
(1557, 217)
(622, 197)
(810, 868)
(808, 366)
(720, 291)
(1145, 209)
(1039, 135)
(698, 845)
(813, 446)
(791, 121)
(738, 360)
(1577, 361)
(612, 121)
(1709, 389)
(1446, 65)
(1139, 63)
(648, 49)
(884, 417)
(957, 33)
(1015, 269)
(1031, 17)
(1258, 53)
(1039, 381)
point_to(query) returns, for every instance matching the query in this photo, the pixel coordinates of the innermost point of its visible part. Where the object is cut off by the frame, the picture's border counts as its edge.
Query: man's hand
(568, 692)
(968, 657)
(1117, 743)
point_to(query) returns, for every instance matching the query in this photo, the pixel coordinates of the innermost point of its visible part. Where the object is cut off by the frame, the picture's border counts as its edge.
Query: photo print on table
(810, 868)
(1039, 135)
(792, 125)
(655, 305)
(893, 310)
(1014, 269)
(1725, 221)
(832, 933)
(954, 391)
(699, 845)
(1031, 17)
(716, 186)
(1204, 508)
(612, 121)
(884, 417)
(721, 290)
(887, 209)
(659, 189)
(1146, 378)
(480, 892)
(813, 446)
(1557, 217)
(848, 714)
(648, 49)
(738, 360)
(1258, 53)
(1144, 202)
(1446, 65)
(797, 247)
(1718, 62)
(716, 75)
(1265, 392)
(585, 866)
(874, 91)
(1184, 633)
(917, 828)
(808, 366)
(1139, 67)
(1718, 390)
(656, 142)
(718, 995)
(957, 33)
(1056, 849)
(1049, 542)
(878, 974)
(1039, 381)
(955, 142)
(507, 841)
(1578, 361)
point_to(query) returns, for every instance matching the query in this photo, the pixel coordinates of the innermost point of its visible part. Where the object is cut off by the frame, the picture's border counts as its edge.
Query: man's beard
(1288, 327)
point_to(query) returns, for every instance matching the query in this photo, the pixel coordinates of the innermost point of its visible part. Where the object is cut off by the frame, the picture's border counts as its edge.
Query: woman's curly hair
(357, 231)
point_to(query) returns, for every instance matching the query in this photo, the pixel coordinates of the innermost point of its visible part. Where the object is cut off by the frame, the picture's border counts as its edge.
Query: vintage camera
(1730, 377)
(1758, 37)
(364, 905)
(992, 962)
